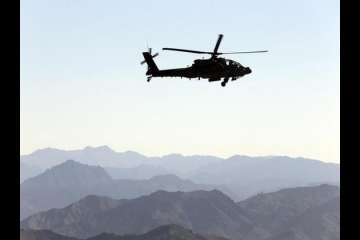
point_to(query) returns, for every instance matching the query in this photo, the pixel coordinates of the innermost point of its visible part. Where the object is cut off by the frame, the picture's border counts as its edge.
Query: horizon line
(175, 153)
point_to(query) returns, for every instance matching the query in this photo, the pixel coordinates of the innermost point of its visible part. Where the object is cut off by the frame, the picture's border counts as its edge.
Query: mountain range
(106, 157)
(70, 181)
(304, 213)
(206, 212)
(243, 175)
(103, 155)
(103, 194)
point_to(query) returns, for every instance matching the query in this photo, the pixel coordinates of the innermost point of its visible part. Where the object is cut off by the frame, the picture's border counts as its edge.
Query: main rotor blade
(262, 51)
(186, 50)
(218, 44)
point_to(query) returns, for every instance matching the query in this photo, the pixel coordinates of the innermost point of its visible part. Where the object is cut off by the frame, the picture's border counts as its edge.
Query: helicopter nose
(247, 70)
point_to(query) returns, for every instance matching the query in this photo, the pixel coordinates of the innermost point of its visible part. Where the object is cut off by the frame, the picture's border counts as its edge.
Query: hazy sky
(82, 84)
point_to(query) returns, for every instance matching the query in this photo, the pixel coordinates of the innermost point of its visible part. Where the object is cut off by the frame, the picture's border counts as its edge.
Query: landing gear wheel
(224, 82)
(148, 79)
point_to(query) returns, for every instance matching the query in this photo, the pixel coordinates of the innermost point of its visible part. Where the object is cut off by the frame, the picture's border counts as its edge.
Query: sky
(82, 83)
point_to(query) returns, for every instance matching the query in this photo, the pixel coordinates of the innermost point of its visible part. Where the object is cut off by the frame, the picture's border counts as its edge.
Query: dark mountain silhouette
(70, 181)
(205, 212)
(273, 211)
(166, 232)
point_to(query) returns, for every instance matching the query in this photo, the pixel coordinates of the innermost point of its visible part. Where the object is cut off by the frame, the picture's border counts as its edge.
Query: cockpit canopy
(202, 62)
(206, 62)
(230, 62)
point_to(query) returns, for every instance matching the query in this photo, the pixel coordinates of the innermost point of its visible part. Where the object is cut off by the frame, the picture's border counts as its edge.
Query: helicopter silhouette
(214, 68)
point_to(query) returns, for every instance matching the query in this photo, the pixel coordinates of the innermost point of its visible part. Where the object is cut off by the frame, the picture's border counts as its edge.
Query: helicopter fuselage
(213, 69)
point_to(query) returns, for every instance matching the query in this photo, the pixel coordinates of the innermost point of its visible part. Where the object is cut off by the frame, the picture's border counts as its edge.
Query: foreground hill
(166, 232)
(307, 212)
(70, 181)
(319, 222)
(289, 213)
(42, 235)
(272, 211)
(205, 212)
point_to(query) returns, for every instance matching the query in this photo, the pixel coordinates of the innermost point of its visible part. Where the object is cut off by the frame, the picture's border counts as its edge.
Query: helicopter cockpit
(230, 62)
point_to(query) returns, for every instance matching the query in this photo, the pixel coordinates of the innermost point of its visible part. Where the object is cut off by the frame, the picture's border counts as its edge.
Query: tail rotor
(148, 67)
(153, 56)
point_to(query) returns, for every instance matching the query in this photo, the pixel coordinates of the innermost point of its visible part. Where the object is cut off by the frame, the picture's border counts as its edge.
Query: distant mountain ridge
(286, 214)
(106, 157)
(103, 155)
(118, 161)
(70, 181)
(243, 175)
(248, 176)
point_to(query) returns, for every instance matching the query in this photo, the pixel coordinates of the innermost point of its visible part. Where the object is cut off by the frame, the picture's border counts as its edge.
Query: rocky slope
(205, 212)
(303, 213)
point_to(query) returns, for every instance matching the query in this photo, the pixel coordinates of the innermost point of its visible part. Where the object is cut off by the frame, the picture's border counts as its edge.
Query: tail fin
(150, 62)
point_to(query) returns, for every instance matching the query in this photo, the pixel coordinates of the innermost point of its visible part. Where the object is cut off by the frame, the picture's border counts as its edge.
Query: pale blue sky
(82, 84)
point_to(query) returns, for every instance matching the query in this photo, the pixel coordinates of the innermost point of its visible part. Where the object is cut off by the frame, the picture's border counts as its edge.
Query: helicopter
(214, 68)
